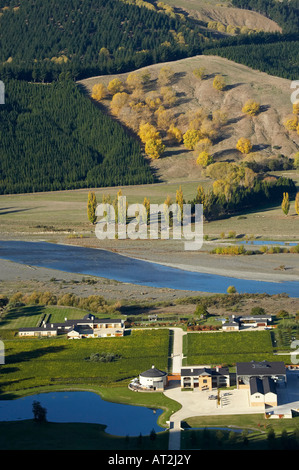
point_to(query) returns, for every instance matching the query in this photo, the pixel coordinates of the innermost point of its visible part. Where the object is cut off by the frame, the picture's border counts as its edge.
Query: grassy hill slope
(266, 131)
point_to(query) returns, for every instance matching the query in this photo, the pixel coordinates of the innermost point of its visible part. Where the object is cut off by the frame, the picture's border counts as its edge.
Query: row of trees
(239, 188)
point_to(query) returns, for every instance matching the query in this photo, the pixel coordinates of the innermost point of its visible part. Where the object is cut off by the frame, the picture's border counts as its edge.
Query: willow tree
(91, 207)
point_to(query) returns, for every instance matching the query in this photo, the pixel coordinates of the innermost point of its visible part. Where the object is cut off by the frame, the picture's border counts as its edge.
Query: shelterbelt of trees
(53, 138)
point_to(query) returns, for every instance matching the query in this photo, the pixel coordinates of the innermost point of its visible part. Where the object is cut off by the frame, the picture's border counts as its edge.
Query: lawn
(256, 425)
(228, 347)
(58, 361)
(30, 316)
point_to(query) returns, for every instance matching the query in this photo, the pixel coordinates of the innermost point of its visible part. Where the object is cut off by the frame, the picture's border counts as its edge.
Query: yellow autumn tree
(168, 95)
(219, 83)
(199, 73)
(244, 145)
(134, 80)
(115, 86)
(118, 101)
(190, 138)
(297, 203)
(179, 199)
(174, 134)
(203, 145)
(99, 92)
(285, 205)
(204, 159)
(153, 100)
(222, 187)
(148, 132)
(164, 117)
(165, 75)
(296, 108)
(251, 107)
(154, 148)
(291, 123)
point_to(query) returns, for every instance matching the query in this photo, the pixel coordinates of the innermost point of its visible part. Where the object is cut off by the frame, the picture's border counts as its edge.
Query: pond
(109, 265)
(85, 407)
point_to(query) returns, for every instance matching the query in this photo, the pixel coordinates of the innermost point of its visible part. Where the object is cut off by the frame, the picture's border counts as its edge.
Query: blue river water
(102, 263)
(85, 407)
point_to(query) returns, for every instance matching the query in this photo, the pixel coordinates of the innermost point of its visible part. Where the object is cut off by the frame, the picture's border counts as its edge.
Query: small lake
(109, 265)
(85, 407)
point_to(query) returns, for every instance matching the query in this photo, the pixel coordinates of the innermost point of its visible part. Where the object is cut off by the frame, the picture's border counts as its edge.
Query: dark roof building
(245, 371)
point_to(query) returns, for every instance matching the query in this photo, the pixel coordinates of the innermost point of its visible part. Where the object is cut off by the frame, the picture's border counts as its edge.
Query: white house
(154, 379)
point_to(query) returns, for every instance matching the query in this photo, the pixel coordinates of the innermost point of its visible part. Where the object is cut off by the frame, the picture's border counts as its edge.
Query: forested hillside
(284, 12)
(39, 40)
(276, 54)
(52, 137)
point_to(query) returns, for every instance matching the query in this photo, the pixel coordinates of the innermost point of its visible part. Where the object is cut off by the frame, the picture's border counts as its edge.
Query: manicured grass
(229, 347)
(58, 361)
(256, 425)
(30, 316)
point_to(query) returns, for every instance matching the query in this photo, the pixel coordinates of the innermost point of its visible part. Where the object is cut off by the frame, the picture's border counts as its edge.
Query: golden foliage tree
(203, 145)
(251, 107)
(91, 207)
(134, 80)
(148, 132)
(165, 76)
(179, 199)
(297, 203)
(244, 145)
(291, 123)
(296, 108)
(168, 95)
(204, 159)
(200, 195)
(153, 100)
(285, 205)
(118, 101)
(164, 117)
(154, 148)
(199, 73)
(174, 134)
(115, 86)
(219, 83)
(99, 91)
(190, 138)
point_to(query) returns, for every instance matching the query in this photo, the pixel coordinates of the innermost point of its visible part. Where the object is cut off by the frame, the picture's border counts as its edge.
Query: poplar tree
(91, 207)
(285, 203)
(297, 203)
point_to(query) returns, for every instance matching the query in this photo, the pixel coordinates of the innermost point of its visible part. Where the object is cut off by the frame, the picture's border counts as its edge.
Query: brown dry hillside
(266, 130)
(224, 13)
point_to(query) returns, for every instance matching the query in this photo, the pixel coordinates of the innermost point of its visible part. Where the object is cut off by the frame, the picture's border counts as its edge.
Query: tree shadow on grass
(24, 311)
(25, 356)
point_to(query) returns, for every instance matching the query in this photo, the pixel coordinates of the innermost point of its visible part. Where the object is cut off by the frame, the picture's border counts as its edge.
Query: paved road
(177, 350)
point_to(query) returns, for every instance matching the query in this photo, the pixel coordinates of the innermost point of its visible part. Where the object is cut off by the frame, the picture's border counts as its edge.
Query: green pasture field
(58, 361)
(229, 347)
(30, 316)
